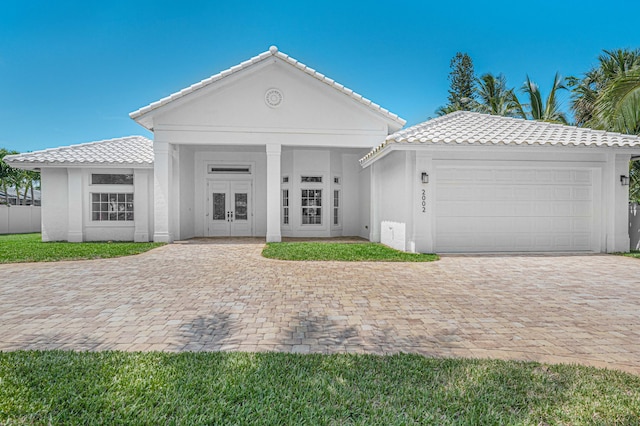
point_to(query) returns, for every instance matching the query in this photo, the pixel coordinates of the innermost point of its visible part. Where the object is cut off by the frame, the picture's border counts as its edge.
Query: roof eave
(32, 165)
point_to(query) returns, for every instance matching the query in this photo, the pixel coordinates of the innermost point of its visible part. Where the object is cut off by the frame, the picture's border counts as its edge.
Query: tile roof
(473, 128)
(272, 52)
(126, 151)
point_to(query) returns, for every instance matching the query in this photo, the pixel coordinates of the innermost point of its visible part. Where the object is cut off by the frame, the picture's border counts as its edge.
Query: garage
(476, 183)
(506, 209)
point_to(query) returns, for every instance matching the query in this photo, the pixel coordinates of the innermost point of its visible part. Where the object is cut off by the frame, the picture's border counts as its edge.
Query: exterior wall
(393, 201)
(55, 204)
(66, 206)
(20, 219)
(352, 194)
(315, 129)
(225, 155)
(616, 199)
(365, 203)
(398, 188)
(234, 112)
(634, 225)
(328, 163)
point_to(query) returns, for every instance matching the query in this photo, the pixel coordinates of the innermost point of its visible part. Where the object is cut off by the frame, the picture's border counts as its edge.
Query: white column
(273, 193)
(76, 205)
(163, 170)
(141, 205)
(374, 209)
(175, 192)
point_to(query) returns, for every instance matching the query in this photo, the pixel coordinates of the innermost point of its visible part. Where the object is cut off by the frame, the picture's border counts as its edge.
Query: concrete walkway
(222, 295)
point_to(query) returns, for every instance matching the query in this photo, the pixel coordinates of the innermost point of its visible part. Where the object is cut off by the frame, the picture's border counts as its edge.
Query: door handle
(231, 216)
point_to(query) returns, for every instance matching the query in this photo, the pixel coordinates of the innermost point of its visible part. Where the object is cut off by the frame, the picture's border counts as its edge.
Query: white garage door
(514, 209)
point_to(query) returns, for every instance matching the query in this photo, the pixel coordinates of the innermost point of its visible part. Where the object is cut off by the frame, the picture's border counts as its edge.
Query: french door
(229, 211)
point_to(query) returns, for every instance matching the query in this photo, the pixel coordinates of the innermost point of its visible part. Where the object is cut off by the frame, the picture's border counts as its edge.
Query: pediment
(272, 92)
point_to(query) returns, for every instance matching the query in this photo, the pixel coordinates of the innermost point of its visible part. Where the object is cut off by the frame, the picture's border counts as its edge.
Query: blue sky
(71, 71)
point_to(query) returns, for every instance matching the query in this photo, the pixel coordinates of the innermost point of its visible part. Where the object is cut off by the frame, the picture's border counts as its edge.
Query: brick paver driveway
(225, 296)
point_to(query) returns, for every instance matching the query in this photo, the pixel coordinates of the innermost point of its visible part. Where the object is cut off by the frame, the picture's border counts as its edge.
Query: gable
(235, 99)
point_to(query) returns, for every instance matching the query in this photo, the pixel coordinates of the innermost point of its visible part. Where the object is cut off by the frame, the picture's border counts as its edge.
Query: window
(242, 170)
(312, 206)
(336, 207)
(311, 179)
(336, 180)
(285, 206)
(111, 207)
(285, 179)
(111, 179)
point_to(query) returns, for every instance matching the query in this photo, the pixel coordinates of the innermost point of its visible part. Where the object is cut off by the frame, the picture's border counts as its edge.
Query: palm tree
(494, 98)
(585, 92)
(608, 98)
(634, 182)
(617, 107)
(544, 111)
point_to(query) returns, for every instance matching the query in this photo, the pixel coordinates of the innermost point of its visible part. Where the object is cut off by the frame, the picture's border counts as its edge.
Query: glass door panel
(241, 206)
(229, 208)
(219, 203)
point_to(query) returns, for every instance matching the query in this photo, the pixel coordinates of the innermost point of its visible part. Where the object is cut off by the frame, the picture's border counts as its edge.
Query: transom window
(311, 179)
(311, 206)
(234, 170)
(111, 207)
(111, 179)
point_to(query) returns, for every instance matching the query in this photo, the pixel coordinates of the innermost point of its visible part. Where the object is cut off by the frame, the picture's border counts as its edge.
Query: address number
(424, 201)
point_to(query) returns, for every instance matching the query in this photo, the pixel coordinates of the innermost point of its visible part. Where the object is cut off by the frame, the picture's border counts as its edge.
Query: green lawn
(29, 248)
(633, 253)
(352, 252)
(57, 387)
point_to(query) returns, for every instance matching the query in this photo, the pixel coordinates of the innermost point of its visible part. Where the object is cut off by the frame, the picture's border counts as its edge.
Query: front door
(229, 210)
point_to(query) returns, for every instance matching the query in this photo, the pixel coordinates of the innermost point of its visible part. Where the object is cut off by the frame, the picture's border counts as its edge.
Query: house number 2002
(424, 201)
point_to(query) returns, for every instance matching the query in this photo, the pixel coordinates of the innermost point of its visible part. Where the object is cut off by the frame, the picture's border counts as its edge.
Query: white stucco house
(272, 148)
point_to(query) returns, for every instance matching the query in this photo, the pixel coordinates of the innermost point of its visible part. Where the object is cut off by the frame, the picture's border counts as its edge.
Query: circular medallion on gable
(273, 97)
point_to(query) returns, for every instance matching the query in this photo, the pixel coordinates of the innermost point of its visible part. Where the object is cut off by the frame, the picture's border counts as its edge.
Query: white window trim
(333, 207)
(322, 186)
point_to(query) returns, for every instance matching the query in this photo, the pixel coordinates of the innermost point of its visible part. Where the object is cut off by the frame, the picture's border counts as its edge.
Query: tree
(612, 65)
(461, 85)
(7, 173)
(634, 182)
(608, 98)
(25, 180)
(617, 107)
(548, 110)
(494, 98)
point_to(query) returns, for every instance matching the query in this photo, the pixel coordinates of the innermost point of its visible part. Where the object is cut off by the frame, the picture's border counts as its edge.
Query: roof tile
(465, 127)
(126, 151)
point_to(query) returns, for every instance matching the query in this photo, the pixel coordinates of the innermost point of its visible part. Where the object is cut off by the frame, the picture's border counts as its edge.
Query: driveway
(222, 295)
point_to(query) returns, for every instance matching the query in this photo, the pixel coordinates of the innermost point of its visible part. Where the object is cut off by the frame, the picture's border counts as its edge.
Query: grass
(632, 253)
(355, 252)
(57, 387)
(17, 248)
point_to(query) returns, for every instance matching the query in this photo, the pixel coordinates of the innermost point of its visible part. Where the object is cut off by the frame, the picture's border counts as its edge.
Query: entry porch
(269, 190)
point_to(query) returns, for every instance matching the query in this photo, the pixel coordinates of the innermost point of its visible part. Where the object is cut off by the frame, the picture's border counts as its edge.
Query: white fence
(19, 219)
(634, 225)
